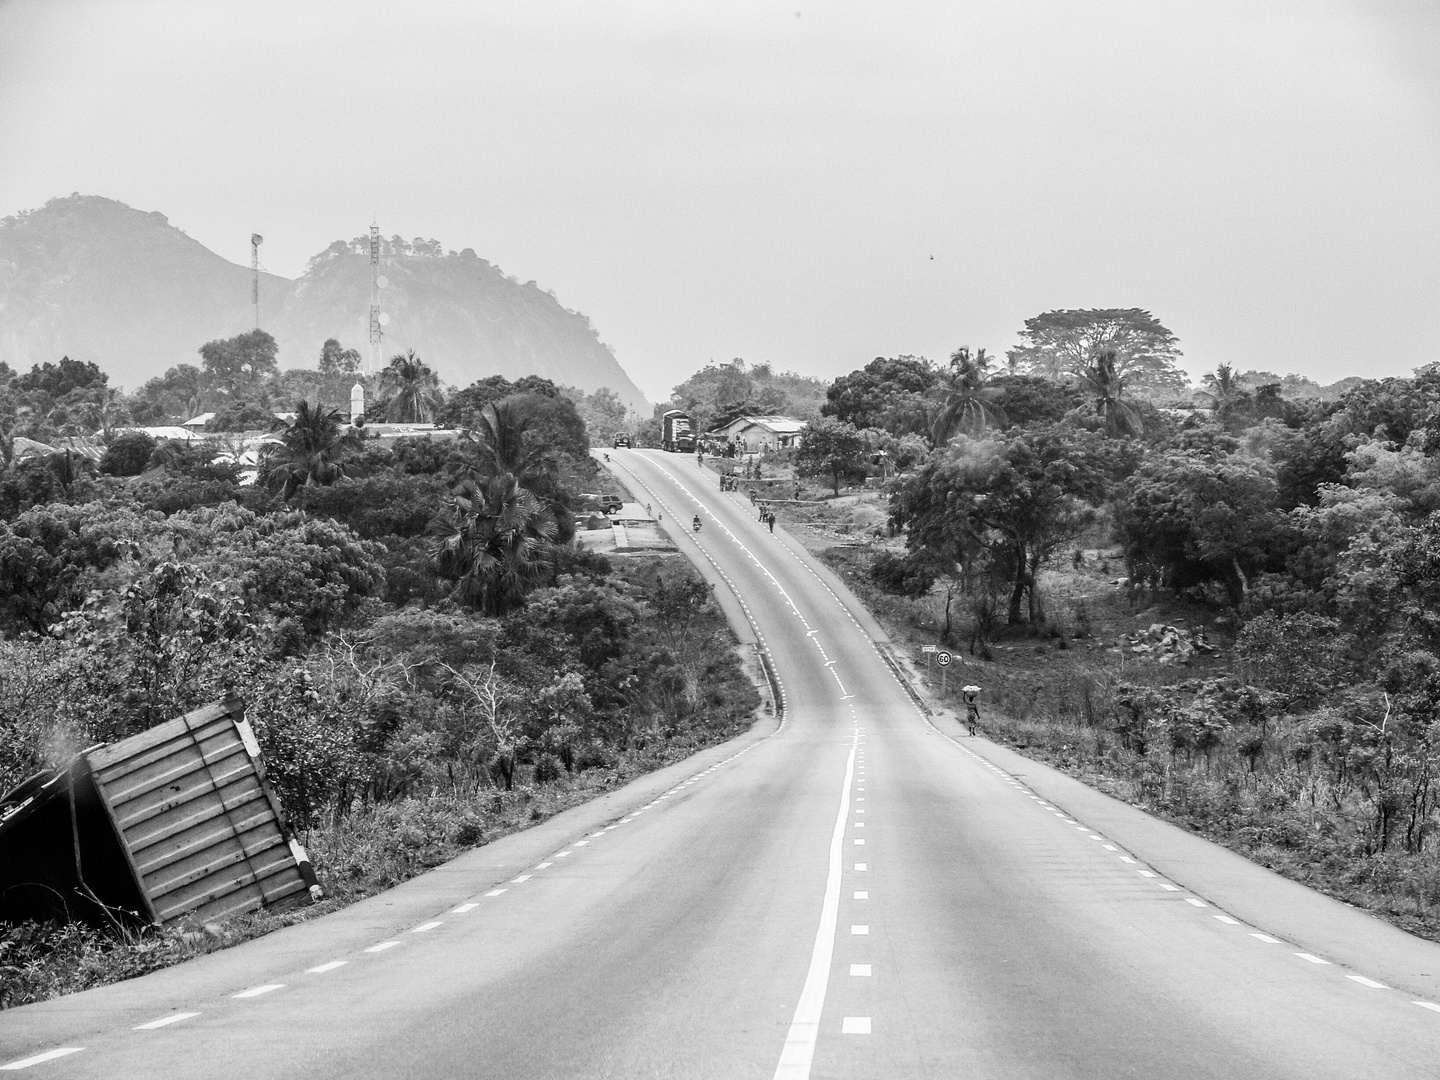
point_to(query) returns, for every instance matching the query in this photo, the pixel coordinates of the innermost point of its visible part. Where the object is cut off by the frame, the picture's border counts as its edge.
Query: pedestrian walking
(971, 694)
(770, 520)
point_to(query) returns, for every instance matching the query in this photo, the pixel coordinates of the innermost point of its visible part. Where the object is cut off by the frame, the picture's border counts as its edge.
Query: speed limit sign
(943, 659)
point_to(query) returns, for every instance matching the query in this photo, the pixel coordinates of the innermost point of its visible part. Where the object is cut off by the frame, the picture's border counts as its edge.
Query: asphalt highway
(855, 891)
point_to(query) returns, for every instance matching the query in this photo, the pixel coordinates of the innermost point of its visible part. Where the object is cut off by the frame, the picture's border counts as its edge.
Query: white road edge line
(799, 1050)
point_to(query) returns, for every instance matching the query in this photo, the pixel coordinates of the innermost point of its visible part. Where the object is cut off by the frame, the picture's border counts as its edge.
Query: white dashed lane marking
(165, 1021)
(855, 1025)
(382, 946)
(256, 991)
(323, 968)
(425, 928)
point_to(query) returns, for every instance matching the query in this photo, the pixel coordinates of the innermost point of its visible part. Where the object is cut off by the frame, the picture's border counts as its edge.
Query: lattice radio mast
(377, 317)
(255, 241)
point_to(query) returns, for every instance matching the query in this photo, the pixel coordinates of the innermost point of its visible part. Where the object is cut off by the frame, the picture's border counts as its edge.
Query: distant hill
(93, 279)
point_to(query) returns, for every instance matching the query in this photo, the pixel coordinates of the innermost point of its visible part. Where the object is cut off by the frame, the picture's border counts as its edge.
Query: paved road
(854, 893)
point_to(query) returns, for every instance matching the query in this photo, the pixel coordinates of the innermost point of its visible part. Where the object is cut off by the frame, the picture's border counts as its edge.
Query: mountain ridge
(94, 279)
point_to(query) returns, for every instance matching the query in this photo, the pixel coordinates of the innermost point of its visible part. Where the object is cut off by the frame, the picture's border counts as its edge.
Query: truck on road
(677, 434)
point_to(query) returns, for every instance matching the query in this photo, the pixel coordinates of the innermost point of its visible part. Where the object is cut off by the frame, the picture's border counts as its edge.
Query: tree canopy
(1059, 344)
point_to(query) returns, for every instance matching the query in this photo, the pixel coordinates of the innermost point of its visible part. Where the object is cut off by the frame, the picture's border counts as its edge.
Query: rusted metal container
(199, 833)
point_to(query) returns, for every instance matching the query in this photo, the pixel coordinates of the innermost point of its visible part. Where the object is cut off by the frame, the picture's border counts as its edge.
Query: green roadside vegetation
(428, 658)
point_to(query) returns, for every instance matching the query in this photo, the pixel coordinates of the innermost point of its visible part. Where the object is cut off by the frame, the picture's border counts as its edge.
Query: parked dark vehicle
(608, 503)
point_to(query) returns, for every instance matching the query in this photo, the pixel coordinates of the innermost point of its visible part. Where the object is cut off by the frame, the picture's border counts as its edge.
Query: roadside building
(752, 434)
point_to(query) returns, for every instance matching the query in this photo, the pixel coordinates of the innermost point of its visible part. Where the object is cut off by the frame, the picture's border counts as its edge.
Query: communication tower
(255, 241)
(378, 319)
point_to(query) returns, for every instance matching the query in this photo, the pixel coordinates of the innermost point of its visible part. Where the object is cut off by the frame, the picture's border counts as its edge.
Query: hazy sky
(772, 180)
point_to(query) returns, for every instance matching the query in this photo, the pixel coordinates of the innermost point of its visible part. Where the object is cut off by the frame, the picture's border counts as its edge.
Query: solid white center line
(256, 991)
(799, 1049)
(1311, 957)
(331, 966)
(426, 926)
(165, 1021)
(855, 1025)
(463, 908)
(382, 946)
(48, 1055)
(863, 971)
(1363, 981)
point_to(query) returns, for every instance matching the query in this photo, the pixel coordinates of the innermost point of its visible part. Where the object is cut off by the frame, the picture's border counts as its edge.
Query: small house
(753, 434)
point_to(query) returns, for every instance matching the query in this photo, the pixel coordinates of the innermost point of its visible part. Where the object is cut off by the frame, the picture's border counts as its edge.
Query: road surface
(853, 892)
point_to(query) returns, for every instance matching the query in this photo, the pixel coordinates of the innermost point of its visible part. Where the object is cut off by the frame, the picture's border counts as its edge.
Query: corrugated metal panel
(203, 832)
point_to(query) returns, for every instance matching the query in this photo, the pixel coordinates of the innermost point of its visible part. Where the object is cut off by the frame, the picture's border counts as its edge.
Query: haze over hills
(93, 279)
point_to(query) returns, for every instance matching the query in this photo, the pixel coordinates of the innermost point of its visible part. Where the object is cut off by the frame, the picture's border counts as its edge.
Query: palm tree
(503, 448)
(411, 389)
(1107, 387)
(495, 541)
(311, 451)
(1224, 385)
(966, 404)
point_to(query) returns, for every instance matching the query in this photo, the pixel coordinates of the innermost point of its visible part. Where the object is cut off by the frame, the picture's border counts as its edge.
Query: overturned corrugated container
(176, 822)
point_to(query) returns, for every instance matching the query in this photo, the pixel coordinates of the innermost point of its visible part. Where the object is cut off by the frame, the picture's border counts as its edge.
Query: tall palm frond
(500, 438)
(495, 540)
(966, 404)
(1224, 385)
(311, 451)
(1107, 388)
(411, 389)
